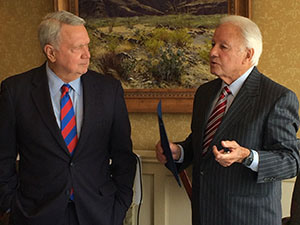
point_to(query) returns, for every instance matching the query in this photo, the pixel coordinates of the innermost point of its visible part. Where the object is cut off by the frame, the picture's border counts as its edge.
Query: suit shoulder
(270, 92)
(98, 77)
(21, 78)
(209, 85)
(270, 86)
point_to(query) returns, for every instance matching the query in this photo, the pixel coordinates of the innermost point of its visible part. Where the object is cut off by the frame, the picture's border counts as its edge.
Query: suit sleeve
(279, 158)
(187, 144)
(123, 159)
(188, 153)
(8, 150)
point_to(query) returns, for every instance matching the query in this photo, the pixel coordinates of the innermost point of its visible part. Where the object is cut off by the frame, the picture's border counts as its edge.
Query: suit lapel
(42, 100)
(203, 104)
(242, 103)
(212, 93)
(92, 97)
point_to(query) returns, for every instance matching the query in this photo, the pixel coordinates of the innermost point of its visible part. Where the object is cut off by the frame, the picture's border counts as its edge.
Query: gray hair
(49, 28)
(250, 32)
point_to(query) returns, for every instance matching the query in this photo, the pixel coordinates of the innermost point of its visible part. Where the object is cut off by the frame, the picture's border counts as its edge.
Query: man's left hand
(234, 153)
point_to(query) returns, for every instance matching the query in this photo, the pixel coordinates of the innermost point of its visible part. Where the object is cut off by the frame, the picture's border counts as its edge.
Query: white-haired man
(243, 140)
(71, 129)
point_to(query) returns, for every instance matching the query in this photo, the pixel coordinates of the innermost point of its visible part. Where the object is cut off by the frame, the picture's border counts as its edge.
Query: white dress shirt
(75, 93)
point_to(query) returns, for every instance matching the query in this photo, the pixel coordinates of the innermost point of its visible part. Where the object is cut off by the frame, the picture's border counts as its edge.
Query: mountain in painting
(129, 8)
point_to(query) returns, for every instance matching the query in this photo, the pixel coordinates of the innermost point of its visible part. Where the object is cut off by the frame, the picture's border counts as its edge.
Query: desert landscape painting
(152, 43)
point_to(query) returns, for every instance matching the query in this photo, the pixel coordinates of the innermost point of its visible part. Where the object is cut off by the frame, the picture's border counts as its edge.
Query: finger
(223, 158)
(229, 144)
(159, 153)
(159, 148)
(161, 157)
(174, 148)
(218, 154)
(226, 144)
(215, 150)
(224, 163)
(176, 151)
(227, 164)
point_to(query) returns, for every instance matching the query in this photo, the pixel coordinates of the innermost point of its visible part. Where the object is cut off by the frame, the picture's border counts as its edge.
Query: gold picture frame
(173, 100)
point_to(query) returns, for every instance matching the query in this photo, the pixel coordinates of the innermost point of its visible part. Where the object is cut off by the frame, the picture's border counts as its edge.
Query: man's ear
(50, 52)
(249, 55)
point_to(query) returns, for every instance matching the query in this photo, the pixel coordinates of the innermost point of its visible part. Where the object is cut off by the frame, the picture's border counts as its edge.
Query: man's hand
(234, 153)
(160, 152)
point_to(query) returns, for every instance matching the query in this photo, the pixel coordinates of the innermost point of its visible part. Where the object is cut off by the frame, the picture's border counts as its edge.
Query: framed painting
(157, 49)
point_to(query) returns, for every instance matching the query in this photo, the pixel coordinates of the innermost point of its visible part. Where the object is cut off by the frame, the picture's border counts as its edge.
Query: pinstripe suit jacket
(263, 117)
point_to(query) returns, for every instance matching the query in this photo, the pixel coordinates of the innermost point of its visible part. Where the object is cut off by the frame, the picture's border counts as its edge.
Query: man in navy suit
(92, 185)
(243, 143)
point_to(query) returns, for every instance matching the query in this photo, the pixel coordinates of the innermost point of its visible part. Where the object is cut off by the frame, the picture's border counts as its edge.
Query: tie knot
(65, 88)
(226, 91)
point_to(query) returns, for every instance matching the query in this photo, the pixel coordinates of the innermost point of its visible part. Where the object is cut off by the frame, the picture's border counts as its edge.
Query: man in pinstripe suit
(237, 180)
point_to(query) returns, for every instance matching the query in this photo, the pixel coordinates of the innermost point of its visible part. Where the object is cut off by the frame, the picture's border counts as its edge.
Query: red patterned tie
(67, 118)
(215, 118)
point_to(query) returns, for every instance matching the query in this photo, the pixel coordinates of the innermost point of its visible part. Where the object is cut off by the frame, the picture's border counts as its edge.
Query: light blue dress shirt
(76, 95)
(234, 88)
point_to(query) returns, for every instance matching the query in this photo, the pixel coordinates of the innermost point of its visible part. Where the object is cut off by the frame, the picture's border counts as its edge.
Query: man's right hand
(160, 152)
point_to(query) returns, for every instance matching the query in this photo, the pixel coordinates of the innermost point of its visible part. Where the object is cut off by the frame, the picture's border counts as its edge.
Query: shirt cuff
(180, 160)
(254, 165)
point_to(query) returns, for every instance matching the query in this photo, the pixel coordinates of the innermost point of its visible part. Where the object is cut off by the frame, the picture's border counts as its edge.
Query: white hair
(49, 28)
(250, 32)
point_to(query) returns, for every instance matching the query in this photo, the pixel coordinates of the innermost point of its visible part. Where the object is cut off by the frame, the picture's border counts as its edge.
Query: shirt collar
(55, 82)
(235, 86)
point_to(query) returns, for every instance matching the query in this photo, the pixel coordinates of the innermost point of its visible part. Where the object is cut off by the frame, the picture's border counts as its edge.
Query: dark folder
(170, 164)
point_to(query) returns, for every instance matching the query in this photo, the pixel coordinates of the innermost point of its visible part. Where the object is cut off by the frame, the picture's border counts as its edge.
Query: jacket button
(71, 164)
(201, 173)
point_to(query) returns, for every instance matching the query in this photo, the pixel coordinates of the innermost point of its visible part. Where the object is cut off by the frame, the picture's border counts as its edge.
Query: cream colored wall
(280, 25)
(279, 22)
(19, 45)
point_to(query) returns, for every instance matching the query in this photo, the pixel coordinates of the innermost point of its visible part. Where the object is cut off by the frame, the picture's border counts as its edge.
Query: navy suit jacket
(262, 117)
(101, 170)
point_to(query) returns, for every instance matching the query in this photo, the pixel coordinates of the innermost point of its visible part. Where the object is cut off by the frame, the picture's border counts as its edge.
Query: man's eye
(75, 49)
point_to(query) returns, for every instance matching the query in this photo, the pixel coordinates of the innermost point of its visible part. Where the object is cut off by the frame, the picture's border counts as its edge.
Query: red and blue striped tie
(68, 123)
(67, 118)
